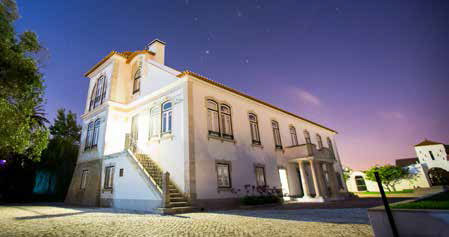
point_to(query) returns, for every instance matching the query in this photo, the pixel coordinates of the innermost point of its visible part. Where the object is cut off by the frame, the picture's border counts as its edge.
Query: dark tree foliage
(439, 176)
(22, 130)
(60, 156)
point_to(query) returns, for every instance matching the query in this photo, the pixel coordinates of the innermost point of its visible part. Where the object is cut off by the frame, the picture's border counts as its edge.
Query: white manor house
(155, 138)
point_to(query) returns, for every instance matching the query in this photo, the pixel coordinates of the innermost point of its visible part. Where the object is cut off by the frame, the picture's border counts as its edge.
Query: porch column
(315, 179)
(305, 184)
(332, 179)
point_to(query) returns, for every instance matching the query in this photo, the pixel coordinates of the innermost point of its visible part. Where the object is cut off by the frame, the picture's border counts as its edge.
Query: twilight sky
(375, 71)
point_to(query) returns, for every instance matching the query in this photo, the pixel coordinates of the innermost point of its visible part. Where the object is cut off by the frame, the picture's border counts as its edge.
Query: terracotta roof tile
(428, 143)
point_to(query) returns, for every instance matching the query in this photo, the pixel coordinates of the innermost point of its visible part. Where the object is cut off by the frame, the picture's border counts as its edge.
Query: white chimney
(158, 47)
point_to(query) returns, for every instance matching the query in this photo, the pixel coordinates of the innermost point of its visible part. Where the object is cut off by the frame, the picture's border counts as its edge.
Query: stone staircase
(177, 202)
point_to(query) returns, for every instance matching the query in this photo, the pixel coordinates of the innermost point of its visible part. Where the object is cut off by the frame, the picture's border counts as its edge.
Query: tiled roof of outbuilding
(428, 143)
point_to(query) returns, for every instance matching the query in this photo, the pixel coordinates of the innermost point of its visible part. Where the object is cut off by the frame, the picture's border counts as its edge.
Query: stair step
(179, 204)
(178, 199)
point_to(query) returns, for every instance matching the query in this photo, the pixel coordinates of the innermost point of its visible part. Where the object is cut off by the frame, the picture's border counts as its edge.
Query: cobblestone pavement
(27, 220)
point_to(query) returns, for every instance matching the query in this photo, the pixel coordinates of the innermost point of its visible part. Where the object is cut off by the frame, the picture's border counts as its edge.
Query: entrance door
(284, 182)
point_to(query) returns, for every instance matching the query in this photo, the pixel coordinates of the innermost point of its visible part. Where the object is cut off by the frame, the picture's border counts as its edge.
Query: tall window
(89, 135)
(136, 82)
(99, 90)
(135, 127)
(276, 134)
(226, 123)
(293, 136)
(109, 177)
(254, 126)
(320, 141)
(166, 117)
(307, 137)
(154, 122)
(223, 177)
(212, 118)
(360, 182)
(260, 176)
(329, 144)
(96, 133)
(431, 155)
(84, 179)
(98, 94)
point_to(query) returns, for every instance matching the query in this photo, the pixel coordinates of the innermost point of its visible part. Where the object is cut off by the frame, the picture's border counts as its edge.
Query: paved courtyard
(35, 220)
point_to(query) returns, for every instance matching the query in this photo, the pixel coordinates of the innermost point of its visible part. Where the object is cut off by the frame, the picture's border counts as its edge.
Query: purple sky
(376, 71)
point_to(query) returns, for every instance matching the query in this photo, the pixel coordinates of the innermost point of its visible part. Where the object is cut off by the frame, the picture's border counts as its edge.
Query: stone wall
(90, 196)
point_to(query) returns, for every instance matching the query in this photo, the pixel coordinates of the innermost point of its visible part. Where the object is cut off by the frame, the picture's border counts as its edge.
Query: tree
(22, 130)
(390, 175)
(59, 159)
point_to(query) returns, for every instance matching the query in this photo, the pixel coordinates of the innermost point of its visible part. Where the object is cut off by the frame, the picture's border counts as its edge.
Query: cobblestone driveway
(62, 221)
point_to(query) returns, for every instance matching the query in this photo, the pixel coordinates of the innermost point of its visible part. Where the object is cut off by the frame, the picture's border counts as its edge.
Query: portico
(316, 173)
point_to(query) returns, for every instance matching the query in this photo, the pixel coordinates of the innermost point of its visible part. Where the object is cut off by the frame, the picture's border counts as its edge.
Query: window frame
(89, 135)
(155, 122)
(276, 144)
(307, 137)
(223, 116)
(84, 177)
(256, 167)
(255, 123)
(109, 177)
(319, 141)
(211, 119)
(169, 118)
(136, 80)
(293, 135)
(360, 178)
(431, 155)
(228, 166)
(96, 133)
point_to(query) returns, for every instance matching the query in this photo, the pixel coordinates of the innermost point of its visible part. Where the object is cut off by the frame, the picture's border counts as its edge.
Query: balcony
(304, 151)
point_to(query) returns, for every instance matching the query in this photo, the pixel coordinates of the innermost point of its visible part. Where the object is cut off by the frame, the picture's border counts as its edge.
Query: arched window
(226, 121)
(154, 122)
(96, 133)
(103, 93)
(293, 136)
(98, 91)
(90, 130)
(136, 82)
(166, 117)
(360, 182)
(276, 134)
(98, 94)
(320, 141)
(307, 137)
(213, 123)
(254, 126)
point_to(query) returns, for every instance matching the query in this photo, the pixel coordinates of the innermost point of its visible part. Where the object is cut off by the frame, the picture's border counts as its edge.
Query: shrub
(261, 195)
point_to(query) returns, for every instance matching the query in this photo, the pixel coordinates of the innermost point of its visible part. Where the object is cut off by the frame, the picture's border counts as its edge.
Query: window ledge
(166, 136)
(154, 139)
(107, 190)
(224, 189)
(91, 149)
(221, 139)
(257, 145)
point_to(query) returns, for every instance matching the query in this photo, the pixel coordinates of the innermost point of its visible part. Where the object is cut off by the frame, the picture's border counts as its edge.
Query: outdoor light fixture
(2, 162)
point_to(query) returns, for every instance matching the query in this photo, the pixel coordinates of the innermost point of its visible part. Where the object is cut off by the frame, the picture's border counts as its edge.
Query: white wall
(133, 190)
(439, 153)
(419, 180)
(242, 153)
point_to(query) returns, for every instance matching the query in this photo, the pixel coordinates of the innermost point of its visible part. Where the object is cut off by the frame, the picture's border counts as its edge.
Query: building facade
(431, 156)
(156, 137)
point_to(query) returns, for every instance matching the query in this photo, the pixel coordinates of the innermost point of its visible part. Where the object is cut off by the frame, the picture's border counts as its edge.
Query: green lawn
(395, 192)
(439, 201)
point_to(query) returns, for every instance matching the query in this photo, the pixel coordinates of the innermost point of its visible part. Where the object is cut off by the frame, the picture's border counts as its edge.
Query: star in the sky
(207, 51)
